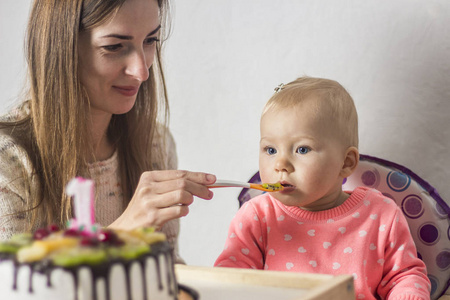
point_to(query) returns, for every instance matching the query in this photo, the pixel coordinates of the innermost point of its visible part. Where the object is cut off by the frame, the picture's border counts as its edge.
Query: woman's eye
(270, 150)
(303, 150)
(151, 40)
(112, 48)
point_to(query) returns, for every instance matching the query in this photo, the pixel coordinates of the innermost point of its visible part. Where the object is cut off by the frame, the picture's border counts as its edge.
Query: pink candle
(82, 191)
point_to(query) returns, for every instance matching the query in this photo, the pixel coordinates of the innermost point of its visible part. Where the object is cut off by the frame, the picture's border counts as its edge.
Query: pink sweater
(366, 236)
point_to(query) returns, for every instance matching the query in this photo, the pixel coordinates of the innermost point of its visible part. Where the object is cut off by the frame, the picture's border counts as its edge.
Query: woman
(96, 95)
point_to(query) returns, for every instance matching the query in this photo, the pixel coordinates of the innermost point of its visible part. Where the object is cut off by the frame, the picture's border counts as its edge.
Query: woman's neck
(102, 147)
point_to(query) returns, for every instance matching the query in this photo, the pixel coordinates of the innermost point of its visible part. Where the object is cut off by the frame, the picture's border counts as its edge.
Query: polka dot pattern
(412, 206)
(371, 178)
(398, 181)
(428, 234)
(427, 214)
(443, 260)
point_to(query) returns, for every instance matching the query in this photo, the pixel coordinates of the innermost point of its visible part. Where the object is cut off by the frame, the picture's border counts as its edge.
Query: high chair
(428, 215)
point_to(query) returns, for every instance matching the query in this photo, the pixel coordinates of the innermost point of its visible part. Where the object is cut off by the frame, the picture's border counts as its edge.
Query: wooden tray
(231, 283)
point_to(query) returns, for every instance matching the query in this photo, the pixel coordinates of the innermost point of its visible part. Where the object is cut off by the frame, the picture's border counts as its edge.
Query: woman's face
(115, 57)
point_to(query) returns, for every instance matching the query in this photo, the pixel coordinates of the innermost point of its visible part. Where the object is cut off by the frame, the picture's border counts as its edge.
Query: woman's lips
(127, 90)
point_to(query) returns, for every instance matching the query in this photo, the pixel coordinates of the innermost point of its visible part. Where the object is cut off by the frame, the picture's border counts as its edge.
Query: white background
(224, 58)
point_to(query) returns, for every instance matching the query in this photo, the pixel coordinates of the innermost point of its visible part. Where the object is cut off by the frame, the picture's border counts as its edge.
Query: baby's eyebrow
(129, 37)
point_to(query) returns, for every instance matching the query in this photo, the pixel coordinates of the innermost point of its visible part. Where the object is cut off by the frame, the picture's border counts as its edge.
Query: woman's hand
(162, 196)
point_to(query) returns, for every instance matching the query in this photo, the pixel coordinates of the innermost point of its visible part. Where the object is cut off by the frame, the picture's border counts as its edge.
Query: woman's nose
(283, 164)
(138, 66)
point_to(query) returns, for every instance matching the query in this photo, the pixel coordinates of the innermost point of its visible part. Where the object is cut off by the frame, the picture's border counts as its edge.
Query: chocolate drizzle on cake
(103, 271)
(16, 270)
(30, 286)
(144, 277)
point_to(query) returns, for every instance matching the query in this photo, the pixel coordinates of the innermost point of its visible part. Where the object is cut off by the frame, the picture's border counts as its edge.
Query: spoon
(267, 187)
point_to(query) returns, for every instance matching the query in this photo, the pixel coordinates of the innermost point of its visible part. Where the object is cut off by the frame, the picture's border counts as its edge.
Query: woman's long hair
(55, 132)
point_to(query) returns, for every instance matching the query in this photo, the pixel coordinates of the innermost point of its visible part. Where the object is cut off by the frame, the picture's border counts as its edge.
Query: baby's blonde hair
(339, 103)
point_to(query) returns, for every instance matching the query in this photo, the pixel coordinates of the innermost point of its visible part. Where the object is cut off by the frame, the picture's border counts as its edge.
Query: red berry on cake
(40, 233)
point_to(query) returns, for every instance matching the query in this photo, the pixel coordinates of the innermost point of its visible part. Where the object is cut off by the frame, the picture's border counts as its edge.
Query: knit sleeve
(244, 244)
(171, 152)
(14, 168)
(172, 228)
(404, 274)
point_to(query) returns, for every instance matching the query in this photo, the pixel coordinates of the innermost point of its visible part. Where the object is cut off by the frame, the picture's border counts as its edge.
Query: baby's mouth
(286, 184)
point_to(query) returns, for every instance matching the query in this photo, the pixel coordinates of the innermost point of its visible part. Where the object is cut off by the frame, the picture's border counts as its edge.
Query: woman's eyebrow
(129, 37)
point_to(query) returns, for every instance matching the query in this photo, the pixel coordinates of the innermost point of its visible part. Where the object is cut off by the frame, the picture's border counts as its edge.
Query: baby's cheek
(264, 173)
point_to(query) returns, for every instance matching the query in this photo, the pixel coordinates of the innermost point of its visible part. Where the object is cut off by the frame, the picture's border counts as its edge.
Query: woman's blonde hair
(55, 132)
(325, 92)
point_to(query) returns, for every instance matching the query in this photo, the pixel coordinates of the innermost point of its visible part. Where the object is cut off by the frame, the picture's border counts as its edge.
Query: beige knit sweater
(15, 165)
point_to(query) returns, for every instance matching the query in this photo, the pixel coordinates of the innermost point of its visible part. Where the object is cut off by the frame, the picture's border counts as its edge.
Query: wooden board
(231, 283)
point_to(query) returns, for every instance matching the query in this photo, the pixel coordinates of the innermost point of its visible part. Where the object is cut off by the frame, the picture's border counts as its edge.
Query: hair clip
(279, 87)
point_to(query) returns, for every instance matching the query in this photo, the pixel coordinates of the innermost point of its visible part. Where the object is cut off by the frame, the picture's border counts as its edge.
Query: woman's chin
(123, 109)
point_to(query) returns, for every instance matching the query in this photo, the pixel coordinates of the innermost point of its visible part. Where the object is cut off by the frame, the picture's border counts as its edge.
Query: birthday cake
(68, 264)
(87, 262)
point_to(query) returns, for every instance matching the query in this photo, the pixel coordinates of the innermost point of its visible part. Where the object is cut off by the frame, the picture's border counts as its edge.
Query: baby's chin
(286, 200)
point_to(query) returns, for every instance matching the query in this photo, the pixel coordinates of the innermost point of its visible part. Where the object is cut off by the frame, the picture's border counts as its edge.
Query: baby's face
(301, 149)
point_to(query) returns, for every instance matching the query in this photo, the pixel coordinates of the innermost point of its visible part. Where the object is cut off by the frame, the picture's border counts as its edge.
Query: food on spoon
(274, 187)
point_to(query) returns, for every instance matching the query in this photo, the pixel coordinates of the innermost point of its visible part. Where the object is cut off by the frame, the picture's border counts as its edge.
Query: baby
(309, 143)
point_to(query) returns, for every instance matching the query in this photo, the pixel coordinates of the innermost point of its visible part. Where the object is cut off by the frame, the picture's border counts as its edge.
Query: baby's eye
(303, 150)
(270, 150)
(112, 48)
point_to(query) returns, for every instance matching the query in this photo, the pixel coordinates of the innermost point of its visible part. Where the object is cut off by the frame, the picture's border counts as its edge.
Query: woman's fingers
(161, 216)
(164, 195)
(178, 197)
(169, 175)
(165, 182)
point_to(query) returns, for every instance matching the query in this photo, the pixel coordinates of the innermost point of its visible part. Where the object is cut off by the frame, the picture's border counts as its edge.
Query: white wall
(13, 21)
(225, 57)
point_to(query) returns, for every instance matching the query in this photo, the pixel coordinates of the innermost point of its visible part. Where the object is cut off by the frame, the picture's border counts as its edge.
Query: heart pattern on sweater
(245, 251)
(313, 263)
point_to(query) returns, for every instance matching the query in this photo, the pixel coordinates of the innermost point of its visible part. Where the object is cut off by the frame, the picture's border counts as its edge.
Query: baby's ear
(351, 161)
